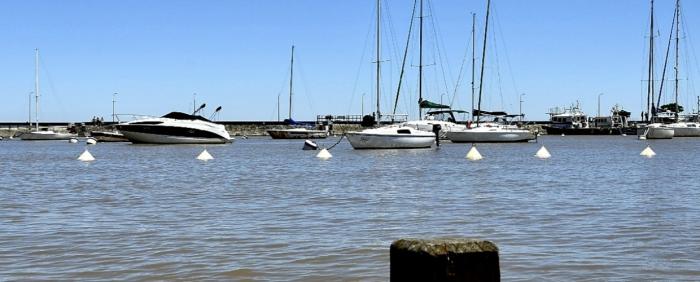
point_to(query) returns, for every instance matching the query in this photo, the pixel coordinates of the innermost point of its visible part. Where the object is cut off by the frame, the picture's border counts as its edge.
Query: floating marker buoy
(624, 134)
(86, 157)
(543, 153)
(563, 135)
(647, 152)
(310, 145)
(473, 154)
(90, 141)
(73, 140)
(204, 156)
(642, 137)
(324, 154)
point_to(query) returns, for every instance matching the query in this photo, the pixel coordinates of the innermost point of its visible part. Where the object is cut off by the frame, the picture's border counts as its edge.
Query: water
(266, 210)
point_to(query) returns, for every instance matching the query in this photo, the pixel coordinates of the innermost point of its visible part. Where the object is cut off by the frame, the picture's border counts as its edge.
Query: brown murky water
(266, 210)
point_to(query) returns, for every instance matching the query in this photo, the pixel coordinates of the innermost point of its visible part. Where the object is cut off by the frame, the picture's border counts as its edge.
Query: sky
(236, 54)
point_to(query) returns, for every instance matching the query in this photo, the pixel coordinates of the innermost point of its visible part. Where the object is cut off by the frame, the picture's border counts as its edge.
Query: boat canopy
(425, 104)
(485, 113)
(446, 111)
(181, 115)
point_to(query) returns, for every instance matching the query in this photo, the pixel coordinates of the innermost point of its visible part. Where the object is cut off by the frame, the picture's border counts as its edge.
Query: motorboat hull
(360, 140)
(297, 134)
(46, 135)
(489, 136)
(156, 134)
(151, 138)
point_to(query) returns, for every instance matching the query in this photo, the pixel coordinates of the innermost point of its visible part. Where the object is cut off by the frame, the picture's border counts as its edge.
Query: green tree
(672, 107)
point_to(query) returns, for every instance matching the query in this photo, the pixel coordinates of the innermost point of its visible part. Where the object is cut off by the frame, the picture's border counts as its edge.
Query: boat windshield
(180, 115)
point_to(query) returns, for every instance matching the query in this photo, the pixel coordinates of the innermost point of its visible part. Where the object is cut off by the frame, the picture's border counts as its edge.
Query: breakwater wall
(235, 128)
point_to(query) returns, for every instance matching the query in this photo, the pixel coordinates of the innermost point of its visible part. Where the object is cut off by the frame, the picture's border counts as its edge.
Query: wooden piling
(444, 260)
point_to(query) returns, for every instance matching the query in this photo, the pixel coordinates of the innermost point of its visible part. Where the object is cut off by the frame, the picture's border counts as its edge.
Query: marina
(410, 140)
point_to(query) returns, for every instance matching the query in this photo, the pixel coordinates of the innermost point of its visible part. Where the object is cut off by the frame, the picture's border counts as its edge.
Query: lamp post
(521, 106)
(30, 109)
(596, 118)
(441, 94)
(362, 107)
(278, 107)
(114, 100)
(194, 103)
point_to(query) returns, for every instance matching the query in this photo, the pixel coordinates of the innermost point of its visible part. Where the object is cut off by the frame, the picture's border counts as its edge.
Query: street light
(521, 106)
(441, 94)
(30, 108)
(278, 107)
(362, 108)
(596, 118)
(113, 102)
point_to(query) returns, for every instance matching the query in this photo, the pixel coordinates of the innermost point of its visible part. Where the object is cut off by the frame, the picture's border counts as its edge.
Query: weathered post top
(444, 260)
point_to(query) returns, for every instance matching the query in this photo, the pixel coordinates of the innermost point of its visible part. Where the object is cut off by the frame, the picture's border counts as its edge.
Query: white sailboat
(654, 129)
(497, 131)
(392, 136)
(299, 132)
(681, 128)
(38, 134)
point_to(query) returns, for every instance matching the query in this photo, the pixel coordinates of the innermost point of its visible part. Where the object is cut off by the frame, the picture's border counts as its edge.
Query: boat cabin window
(147, 122)
(403, 131)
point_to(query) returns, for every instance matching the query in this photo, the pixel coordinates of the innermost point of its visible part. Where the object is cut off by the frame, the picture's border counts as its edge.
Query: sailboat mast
(483, 60)
(473, 58)
(650, 82)
(379, 23)
(36, 87)
(678, 20)
(420, 62)
(291, 81)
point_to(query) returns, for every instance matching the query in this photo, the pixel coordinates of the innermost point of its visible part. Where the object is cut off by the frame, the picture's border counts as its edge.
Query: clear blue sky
(156, 54)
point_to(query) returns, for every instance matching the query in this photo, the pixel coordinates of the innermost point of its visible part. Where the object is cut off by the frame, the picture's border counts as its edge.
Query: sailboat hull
(46, 135)
(489, 136)
(685, 129)
(297, 134)
(656, 132)
(391, 138)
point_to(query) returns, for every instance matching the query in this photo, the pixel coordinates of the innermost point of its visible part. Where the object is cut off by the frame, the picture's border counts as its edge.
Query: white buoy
(324, 154)
(204, 156)
(563, 134)
(73, 140)
(642, 137)
(86, 157)
(543, 153)
(647, 152)
(624, 134)
(90, 141)
(473, 154)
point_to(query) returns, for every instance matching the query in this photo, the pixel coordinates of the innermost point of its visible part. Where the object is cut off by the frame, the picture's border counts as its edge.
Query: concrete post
(444, 260)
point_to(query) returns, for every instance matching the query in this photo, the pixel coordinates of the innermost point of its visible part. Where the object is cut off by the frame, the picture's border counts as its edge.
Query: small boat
(310, 145)
(108, 136)
(656, 131)
(297, 133)
(39, 134)
(391, 137)
(175, 128)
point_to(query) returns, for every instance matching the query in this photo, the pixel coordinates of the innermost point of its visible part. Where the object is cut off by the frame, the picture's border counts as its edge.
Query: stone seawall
(233, 129)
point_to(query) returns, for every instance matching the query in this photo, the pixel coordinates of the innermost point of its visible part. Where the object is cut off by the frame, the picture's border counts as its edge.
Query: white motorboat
(108, 136)
(391, 137)
(38, 134)
(175, 128)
